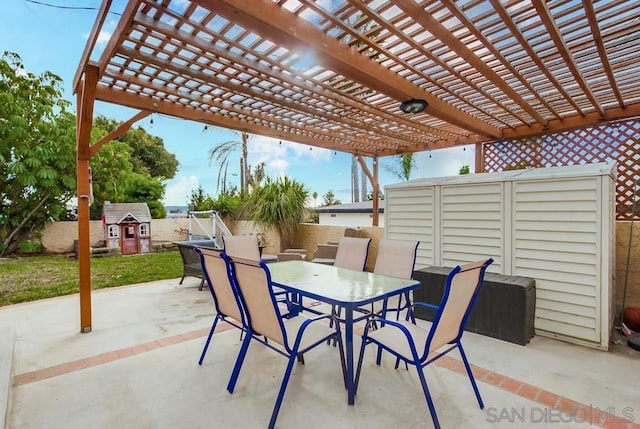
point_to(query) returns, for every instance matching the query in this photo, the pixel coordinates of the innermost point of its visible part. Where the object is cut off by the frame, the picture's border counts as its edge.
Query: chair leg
(201, 284)
(470, 374)
(425, 389)
(181, 280)
(283, 388)
(239, 360)
(206, 344)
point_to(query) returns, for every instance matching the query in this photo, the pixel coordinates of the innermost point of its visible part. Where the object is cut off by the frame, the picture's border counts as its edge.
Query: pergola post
(479, 158)
(373, 178)
(85, 101)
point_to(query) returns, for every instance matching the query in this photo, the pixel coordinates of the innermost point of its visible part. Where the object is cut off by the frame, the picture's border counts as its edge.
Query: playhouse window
(144, 229)
(113, 231)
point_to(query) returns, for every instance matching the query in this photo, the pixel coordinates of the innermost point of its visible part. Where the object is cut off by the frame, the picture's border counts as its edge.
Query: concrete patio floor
(138, 369)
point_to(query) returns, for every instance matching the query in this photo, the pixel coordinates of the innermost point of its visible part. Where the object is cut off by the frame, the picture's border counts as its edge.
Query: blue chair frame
(221, 315)
(420, 361)
(291, 351)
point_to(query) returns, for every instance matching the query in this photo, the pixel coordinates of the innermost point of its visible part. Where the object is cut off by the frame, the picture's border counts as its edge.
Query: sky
(52, 39)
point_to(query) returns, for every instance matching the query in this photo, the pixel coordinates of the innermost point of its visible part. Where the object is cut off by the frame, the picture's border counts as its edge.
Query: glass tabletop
(336, 285)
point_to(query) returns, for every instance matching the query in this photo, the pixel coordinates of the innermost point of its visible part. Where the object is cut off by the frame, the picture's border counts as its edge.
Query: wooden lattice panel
(618, 141)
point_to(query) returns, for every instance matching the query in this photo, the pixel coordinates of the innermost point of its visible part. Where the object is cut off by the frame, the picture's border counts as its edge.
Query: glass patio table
(345, 288)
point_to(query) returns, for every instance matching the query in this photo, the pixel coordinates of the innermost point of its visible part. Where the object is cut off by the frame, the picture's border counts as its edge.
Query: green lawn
(36, 277)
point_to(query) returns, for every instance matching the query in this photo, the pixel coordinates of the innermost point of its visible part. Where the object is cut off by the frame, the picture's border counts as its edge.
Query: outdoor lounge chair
(325, 254)
(352, 254)
(419, 346)
(291, 337)
(225, 298)
(242, 246)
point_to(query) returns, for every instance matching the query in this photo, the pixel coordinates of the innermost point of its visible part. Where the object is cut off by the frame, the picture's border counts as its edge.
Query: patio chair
(416, 345)
(215, 268)
(290, 337)
(247, 247)
(396, 258)
(242, 246)
(352, 253)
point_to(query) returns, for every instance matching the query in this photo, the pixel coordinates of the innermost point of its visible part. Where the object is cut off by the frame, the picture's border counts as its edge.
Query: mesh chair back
(463, 284)
(216, 272)
(254, 283)
(396, 258)
(241, 246)
(352, 253)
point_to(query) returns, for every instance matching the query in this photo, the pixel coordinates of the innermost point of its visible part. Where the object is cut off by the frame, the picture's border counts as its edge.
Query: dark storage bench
(505, 308)
(191, 260)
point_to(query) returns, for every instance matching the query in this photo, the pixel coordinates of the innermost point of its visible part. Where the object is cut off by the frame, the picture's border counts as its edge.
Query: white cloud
(179, 190)
(278, 167)
(103, 37)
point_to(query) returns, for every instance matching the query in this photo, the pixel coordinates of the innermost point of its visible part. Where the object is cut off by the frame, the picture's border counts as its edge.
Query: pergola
(333, 74)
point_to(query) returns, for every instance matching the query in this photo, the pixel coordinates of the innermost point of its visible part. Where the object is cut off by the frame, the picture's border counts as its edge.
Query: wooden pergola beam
(515, 31)
(413, 9)
(135, 101)
(122, 128)
(602, 52)
(573, 122)
(282, 73)
(91, 43)
(294, 33)
(545, 16)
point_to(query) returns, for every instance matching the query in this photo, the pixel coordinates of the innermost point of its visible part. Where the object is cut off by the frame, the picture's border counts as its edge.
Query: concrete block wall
(58, 238)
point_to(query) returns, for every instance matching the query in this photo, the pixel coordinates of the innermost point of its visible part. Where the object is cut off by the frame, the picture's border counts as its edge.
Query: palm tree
(220, 154)
(280, 204)
(354, 180)
(402, 166)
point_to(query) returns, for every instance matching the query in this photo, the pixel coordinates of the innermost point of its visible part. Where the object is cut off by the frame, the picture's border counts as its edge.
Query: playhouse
(127, 226)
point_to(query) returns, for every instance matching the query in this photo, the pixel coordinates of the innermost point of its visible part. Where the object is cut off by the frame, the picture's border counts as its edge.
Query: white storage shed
(556, 225)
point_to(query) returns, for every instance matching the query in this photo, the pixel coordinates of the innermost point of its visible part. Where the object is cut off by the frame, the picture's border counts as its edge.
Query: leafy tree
(145, 189)
(280, 204)
(148, 154)
(330, 199)
(199, 200)
(135, 158)
(228, 203)
(37, 153)
(402, 166)
(464, 170)
(111, 172)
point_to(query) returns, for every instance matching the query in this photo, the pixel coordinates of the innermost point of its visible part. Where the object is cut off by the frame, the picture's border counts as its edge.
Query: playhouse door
(129, 234)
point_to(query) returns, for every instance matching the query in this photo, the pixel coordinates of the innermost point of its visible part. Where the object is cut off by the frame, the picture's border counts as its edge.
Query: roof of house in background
(115, 212)
(359, 207)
